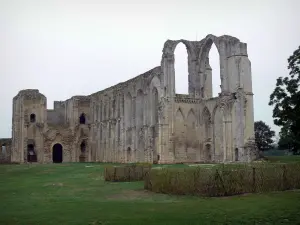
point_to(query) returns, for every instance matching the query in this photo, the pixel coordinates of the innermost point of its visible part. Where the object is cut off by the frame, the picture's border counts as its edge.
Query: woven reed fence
(126, 173)
(224, 180)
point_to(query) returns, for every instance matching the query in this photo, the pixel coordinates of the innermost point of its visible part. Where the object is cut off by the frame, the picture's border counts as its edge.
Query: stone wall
(123, 118)
(5, 151)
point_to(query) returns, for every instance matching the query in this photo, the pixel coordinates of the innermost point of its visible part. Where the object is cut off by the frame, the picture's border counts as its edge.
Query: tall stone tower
(29, 118)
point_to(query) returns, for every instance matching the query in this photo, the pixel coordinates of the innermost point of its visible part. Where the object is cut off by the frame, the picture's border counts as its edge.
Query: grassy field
(77, 194)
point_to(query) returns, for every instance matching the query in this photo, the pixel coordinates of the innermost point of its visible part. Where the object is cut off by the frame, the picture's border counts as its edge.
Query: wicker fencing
(224, 180)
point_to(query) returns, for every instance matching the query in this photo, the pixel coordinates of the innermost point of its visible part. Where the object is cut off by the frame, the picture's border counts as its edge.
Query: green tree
(287, 140)
(286, 101)
(263, 135)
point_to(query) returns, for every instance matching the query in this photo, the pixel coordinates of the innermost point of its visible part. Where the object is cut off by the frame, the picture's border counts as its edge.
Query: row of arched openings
(182, 70)
(139, 108)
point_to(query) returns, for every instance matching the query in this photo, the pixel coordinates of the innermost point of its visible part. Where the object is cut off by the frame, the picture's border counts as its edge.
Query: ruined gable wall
(231, 118)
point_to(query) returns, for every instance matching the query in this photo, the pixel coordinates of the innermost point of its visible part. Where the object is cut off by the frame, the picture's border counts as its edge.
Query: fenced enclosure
(224, 180)
(126, 173)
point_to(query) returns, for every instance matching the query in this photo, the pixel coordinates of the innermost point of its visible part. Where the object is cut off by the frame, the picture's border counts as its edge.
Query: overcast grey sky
(77, 47)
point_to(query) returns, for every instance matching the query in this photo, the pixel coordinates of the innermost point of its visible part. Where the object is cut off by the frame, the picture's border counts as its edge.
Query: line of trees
(286, 112)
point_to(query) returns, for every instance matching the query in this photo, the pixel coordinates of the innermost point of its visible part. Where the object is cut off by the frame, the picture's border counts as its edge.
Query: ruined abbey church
(143, 119)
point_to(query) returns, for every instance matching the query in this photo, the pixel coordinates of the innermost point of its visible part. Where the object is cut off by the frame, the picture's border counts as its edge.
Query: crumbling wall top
(120, 86)
(30, 94)
(228, 44)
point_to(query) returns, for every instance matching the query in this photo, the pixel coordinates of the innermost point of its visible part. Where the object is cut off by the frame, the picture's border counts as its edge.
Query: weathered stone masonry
(143, 119)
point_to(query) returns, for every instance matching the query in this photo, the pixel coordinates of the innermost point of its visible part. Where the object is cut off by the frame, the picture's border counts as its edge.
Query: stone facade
(143, 119)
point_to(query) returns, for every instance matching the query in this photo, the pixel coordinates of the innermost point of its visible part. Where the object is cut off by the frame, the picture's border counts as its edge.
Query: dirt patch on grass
(49, 171)
(131, 195)
(54, 184)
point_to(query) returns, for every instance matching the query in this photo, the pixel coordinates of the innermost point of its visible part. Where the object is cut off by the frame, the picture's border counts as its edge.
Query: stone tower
(29, 118)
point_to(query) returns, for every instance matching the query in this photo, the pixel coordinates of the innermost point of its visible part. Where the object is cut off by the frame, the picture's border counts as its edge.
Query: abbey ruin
(143, 119)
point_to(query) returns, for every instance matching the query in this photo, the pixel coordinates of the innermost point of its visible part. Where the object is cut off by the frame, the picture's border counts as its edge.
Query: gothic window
(3, 149)
(236, 153)
(155, 106)
(82, 119)
(82, 146)
(31, 155)
(32, 118)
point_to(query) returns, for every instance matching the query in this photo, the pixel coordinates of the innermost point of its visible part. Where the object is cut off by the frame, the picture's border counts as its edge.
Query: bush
(224, 180)
(130, 172)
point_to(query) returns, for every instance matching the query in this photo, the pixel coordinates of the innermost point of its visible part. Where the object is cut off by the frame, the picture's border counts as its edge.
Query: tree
(287, 140)
(286, 101)
(263, 135)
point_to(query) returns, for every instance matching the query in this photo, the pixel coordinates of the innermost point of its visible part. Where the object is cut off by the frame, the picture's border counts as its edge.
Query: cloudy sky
(77, 47)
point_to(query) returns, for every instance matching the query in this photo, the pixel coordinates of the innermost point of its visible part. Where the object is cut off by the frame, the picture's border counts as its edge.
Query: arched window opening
(208, 152)
(32, 118)
(3, 149)
(155, 106)
(83, 147)
(181, 69)
(207, 123)
(82, 118)
(129, 110)
(31, 155)
(214, 64)
(140, 109)
(128, 154)
(236, 154)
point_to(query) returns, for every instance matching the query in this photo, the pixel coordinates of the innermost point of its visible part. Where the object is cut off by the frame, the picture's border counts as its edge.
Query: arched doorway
(82, 118)
(208, 152)
(57, 153)
(31, 154)
(128, 154)
(82, 156)
(236, 154)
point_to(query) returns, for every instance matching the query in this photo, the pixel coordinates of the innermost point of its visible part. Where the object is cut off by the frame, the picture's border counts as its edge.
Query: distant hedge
(224, 180)
(129, 172)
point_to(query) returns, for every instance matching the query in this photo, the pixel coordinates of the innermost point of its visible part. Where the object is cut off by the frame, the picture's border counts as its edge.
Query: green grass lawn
(76, 193)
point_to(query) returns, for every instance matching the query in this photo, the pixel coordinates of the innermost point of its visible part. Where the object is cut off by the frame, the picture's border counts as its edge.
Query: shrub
(224, 180)
(130, 172)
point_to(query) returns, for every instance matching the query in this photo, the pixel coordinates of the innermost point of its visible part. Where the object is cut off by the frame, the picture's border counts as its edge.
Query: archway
(3, 149)
(236, 154)
(31, 155)
(154, 106)
(139, 109)
(82, 156)
(214, 66)
(57, 153)
(210, 65)
(128, 154)
(32, 118)
(207, 152)
(181, 69)
(82, 118)
(128, 110)
(206, 121)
